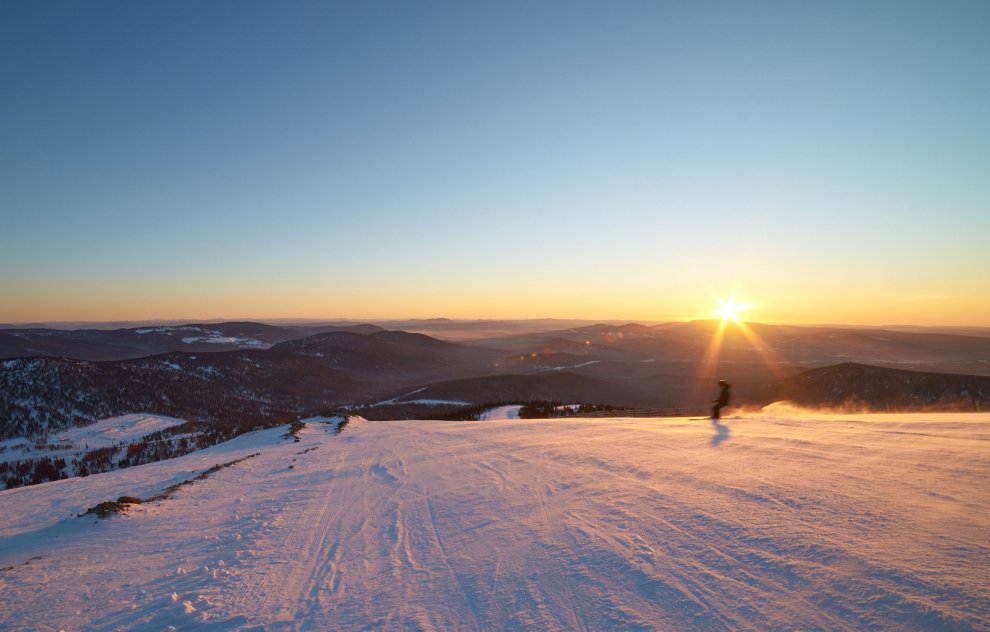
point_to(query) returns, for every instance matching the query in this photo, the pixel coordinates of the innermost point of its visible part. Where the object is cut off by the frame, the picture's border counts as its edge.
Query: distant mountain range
(256, 374)
(137, 342)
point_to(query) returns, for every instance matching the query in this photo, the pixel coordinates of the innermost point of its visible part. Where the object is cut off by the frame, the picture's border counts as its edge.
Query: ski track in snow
(772, 522)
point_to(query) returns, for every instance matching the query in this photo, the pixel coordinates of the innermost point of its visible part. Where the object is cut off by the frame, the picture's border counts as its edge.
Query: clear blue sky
(829, 161)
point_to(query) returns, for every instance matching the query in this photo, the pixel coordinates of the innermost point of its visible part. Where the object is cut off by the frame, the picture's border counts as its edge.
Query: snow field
(112, 431)
(765, 522)
(501, 413)
(116, 430)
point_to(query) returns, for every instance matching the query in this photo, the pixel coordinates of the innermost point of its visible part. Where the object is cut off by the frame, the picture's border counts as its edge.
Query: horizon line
(80, 324)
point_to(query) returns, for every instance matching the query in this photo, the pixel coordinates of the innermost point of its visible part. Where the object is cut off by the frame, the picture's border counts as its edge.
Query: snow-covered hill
(74, 444)
(775, 521)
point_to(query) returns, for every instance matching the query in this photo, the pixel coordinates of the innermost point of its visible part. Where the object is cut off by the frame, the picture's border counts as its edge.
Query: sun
(729, 310)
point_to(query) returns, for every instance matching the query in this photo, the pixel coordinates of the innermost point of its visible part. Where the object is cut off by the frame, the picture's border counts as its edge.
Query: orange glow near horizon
(306, 297)
(709, 362)
(729, 310)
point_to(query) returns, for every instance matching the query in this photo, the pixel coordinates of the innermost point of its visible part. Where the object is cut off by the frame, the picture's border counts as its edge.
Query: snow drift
(764, 522)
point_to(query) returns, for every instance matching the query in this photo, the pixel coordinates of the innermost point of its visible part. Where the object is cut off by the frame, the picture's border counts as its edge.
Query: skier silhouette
(722, 400)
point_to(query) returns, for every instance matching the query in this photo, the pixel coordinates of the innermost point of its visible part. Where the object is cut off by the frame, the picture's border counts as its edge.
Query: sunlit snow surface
(79, 440)
(117, 430)
(773, 522)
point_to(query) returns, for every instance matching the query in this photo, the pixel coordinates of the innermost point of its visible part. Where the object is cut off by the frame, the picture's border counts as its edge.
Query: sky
(824, 162)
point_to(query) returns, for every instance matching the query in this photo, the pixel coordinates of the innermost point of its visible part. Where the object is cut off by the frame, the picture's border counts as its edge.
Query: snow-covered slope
(99, 447)
(501, 413)
(123, 429)
(776, 521)
(74, 442)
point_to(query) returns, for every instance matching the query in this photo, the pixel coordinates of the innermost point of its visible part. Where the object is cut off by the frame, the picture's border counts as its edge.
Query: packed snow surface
(772, 522)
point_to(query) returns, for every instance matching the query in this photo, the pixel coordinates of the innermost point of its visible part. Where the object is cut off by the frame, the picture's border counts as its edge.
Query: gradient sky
(829, 161)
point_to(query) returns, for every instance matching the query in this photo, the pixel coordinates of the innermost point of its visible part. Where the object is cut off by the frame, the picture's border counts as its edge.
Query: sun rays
(730, 321)
(729, 310)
